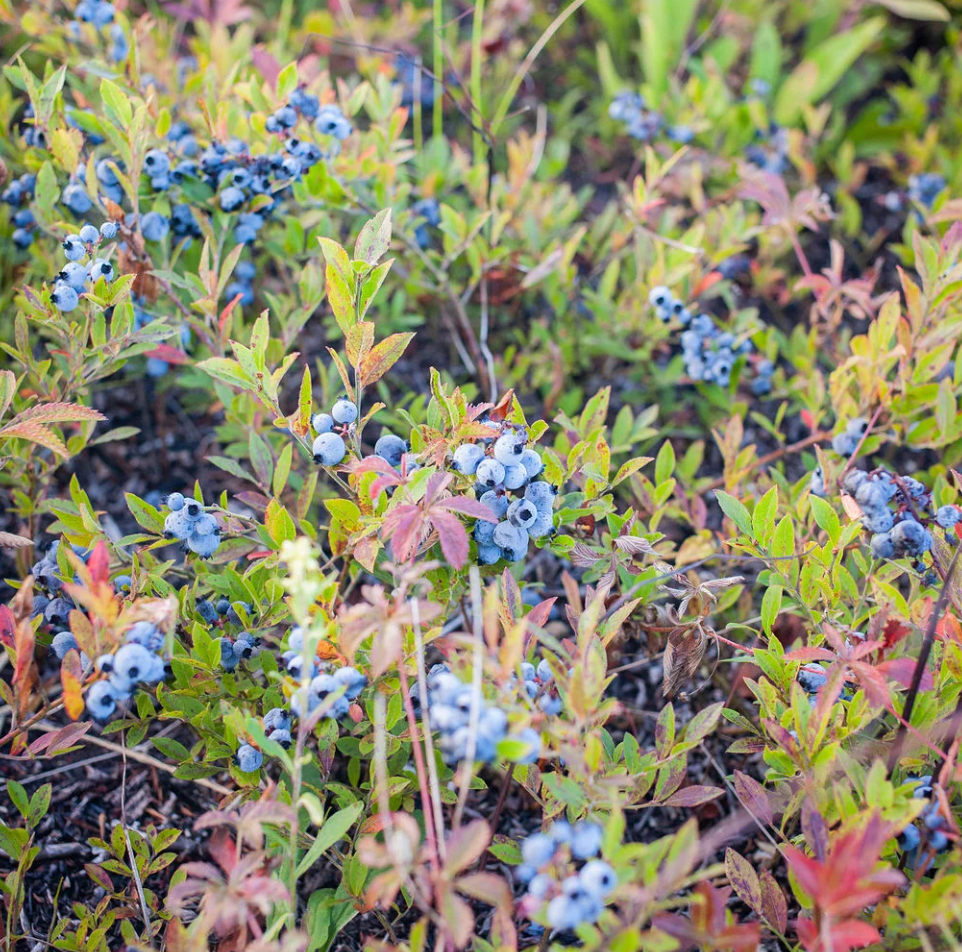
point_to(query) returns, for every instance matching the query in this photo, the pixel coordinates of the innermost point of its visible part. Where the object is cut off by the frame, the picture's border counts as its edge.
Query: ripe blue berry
(73, 248)
(76, 199)
(63, 642)
(488, 553)
(231, 198)
(89, 234)
(329, 449)
(948, 516)
(509, 448)
(100, 268)
(391, 448)
(74, 274)
(538, 849)
(101, 701)
(64, 297)
(490, 473)
(248, 758)
(522, 513)
(598, 878)
(467, 458)
(154, 226)
(496, 502)
(108, 230)
(132, 662)
(344, 411)
(175, 501)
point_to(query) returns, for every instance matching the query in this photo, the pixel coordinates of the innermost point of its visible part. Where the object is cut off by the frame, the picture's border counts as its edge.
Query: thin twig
(921, 662)
(131, 855)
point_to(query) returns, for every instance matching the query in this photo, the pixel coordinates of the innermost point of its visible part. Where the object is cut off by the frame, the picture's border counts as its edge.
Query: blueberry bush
(481, 475)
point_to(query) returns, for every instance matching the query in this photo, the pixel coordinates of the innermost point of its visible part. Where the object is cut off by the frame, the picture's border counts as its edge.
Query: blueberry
(22, 238)
(63, 641)
(74, 274)
(206, 610)
(538, 849)
(855, 479)
(510, 536)
(550, 705)
(877, 520)
(332, 122)
(562, 914)
(816, 482)
(948, 516)
(248, 758)
(522, 513)
(544, 672)
(496, 502)
(175, 501)
(154, 226)
(322, 423)
(282, 737)
(146, 634)
(531, 739)
(390, 448)
(598, 878)
(490, 473)
(910, 538)
(105, 664)
(488, 553)
(101, 701)
(532, 463)
(515, 477)
(539, 885)
(344, 411)
(328, 449)
(231, 198)
(467, 458)
(509, 448)
(177, 525)
(64, 297)
(89, 234)
(76, 199)
(541, 494)
(133, 662)
(812, 679)
(100, 268)
(156, 162)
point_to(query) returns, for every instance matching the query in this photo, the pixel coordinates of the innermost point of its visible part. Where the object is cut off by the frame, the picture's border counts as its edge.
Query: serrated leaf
(374, 239)
(36, 433)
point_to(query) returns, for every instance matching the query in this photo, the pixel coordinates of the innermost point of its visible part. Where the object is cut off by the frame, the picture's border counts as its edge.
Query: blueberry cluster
(897, 510)
(328, 119)
(640, 122)
(52, 602)
(101, 14)
(222, 609)
(83, 267)
(568, 897)
(334, 687)
(137, 661)
(17, 194)
(709, 353)
(502, 465)
(187, 521)
(926, 187)
(812, 678)
(329, 448)
(242, 648)
(32, 134)
(930, 827)
(449, 706)
(846, 442)
(540, 687)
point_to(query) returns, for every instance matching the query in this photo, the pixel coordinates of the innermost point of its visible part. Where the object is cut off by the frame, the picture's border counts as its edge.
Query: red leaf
(468, 507)
(692, 796)
(902, 670)
(169, 354)
(538, 616)
(8, 626)
(454, 540)
(99, 562)
(753, 797)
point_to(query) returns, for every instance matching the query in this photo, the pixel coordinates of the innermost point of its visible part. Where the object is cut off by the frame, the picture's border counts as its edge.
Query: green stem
(476, 30)
(438, 68)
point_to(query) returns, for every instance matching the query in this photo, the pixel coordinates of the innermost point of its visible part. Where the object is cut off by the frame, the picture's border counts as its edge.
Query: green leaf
(145, 514)
(825, 516)
(287, 81)
(917, 9)
(822, 68)
(334, 828)
(116, 103)
(735, 511)
(763, 516)
(227, 371)
(374, 239)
